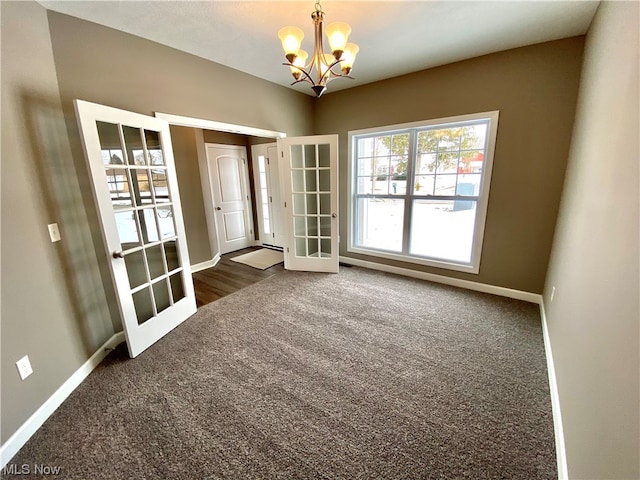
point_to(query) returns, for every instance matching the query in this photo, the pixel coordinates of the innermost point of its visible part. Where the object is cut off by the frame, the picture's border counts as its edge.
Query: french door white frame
(309, 177)
(139, 336)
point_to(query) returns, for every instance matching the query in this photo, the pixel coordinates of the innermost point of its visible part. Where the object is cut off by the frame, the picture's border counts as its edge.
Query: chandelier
(322, 68)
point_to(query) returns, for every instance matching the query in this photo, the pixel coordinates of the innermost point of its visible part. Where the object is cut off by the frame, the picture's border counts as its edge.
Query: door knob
(218, 208)
(333, 215)
(117, 254)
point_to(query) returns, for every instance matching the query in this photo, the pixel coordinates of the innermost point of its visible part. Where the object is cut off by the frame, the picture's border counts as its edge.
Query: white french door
(309, 173)
(130, 160)
(229, 183)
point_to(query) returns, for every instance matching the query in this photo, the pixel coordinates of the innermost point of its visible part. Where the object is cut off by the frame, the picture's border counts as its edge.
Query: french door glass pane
(380, 223)
(297, 180)
(155, 261)
(299, 226)
(443, 229)
(154, 149)
(165, 220)
(159, 183)
(296, 156)
(324, 158)
(133, 145)
(119, 188)
(161, 295)
(110, 143)
(310, 156)
(127, 228)
(171, 254)
(148, 225)
(325, 204)
(143, 305)
(141, 186)
(135, 268)
(177, 288)
(310, 183)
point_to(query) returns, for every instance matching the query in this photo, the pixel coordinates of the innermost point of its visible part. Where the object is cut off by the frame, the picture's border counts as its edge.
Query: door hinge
(267, 161)
(287, 249)
(270, 199)
(285, 204)
(273, 235)
(282, 155)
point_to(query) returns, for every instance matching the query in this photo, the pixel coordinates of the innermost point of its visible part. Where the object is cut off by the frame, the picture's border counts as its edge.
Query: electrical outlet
(24, 367)
(54, 232)
(553, 293)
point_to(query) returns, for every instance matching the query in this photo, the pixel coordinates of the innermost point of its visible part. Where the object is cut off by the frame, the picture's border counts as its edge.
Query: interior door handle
(218, 208)
(118, 254)
(333, 215)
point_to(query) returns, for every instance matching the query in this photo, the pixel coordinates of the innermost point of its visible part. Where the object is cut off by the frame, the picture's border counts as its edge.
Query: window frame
(473, 266)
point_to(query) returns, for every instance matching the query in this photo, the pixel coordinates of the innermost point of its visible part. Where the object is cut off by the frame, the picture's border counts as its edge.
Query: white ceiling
(395, 37)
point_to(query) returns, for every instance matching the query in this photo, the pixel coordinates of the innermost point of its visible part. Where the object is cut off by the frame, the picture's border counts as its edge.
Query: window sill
(444, 264)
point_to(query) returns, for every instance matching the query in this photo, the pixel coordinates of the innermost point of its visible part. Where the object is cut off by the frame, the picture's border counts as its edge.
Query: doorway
(228, 181)
(266, 171)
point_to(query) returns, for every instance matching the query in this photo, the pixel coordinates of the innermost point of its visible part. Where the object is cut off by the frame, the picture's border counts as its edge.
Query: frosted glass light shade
(300, 61)
(338, 34)
(349, 57)
(291, 38)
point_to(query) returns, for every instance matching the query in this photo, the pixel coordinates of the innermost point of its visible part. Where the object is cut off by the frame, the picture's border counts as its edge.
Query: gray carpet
(360, 375)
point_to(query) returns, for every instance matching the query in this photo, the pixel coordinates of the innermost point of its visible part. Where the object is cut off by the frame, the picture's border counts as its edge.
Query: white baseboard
(35, 421)
(454, 282)
(204, 265)
(561, 453)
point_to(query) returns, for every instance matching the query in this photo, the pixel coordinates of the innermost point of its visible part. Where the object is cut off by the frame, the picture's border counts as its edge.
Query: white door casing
(228, 180)
(309, 177)
(130, 160)
(268, 198)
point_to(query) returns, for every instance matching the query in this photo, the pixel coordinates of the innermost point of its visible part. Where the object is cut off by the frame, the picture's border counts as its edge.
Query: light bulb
(300, 61)
(291, 38)
(324, 66)
(338, 34)
(348, 57)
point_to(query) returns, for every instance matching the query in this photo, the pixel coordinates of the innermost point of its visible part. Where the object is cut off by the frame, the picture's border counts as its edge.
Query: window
(418, 192)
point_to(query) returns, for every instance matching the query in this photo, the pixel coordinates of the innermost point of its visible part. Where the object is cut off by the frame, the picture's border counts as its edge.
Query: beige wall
(535, 90)
(58, 304)
(594, 318)
(185, 151)
(54, 306)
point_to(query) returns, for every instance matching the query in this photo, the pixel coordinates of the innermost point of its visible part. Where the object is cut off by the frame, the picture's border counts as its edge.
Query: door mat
(260, 259)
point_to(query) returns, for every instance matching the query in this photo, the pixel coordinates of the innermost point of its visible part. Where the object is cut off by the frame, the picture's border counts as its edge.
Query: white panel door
(309, 174)
(130, 160)
(228, 177)
(268, 198)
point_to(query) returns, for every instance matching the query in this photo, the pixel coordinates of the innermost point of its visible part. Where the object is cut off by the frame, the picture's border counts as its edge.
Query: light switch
(54, 232)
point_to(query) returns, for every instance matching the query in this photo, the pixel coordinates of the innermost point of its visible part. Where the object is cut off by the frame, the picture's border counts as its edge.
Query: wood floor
(228, 277)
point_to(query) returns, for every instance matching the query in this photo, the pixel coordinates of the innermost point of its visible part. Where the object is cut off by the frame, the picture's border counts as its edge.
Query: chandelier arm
(330, 72)
(301, 70)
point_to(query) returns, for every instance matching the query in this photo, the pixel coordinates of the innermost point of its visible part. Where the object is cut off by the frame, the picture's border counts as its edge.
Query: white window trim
(481, 210)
